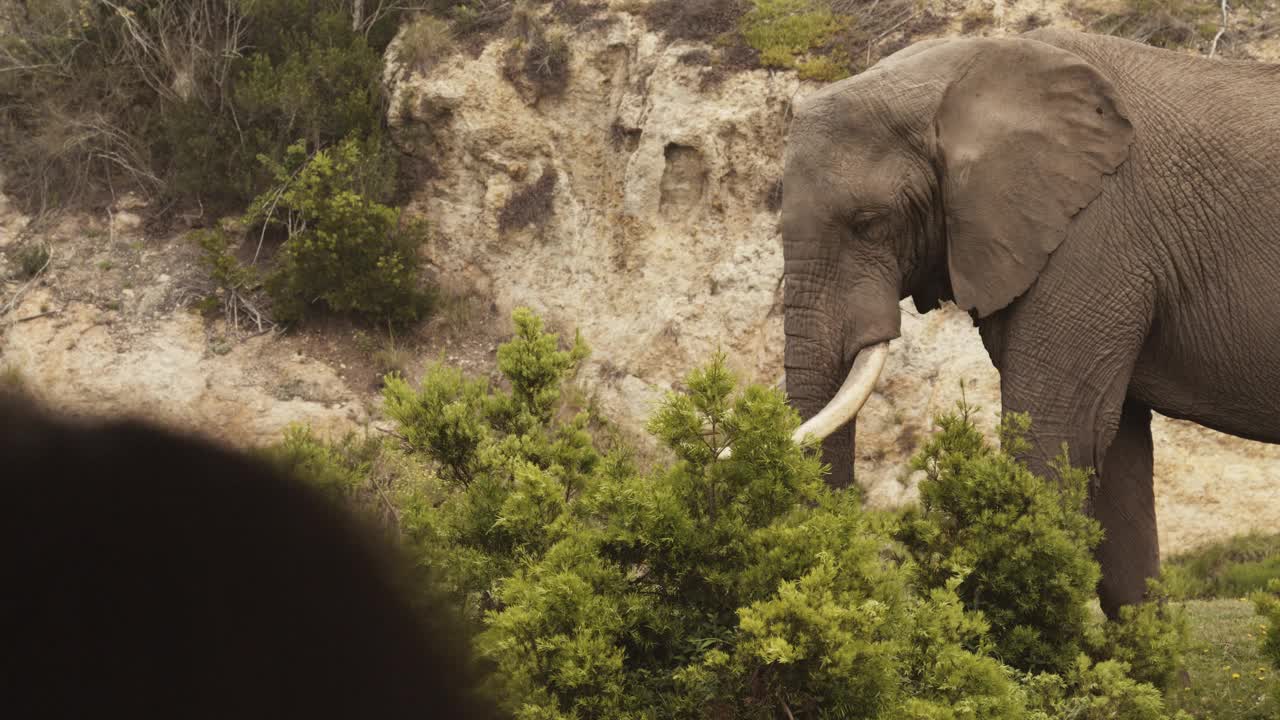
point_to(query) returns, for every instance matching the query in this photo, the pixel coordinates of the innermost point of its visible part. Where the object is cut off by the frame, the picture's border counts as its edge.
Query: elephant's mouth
(848, 400)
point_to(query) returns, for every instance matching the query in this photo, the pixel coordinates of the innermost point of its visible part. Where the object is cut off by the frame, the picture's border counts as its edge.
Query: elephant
(1107, 213)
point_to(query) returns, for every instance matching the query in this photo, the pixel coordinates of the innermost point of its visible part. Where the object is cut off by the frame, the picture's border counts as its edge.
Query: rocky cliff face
(659, 242)
(639, 207)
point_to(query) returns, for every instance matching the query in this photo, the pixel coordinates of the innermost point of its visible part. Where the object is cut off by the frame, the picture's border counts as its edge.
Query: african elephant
(1109, 215)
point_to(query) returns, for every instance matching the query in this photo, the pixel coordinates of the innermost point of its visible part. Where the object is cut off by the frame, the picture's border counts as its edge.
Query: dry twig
(1222, 29)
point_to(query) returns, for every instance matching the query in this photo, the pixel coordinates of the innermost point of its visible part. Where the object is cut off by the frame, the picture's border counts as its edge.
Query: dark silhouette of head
(148, 574)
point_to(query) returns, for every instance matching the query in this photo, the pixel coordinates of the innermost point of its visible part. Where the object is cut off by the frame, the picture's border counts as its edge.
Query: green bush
(1152, 638)
(1021, 545)
(344, 248)
(707, 588)
(1101, 691)
(179, 102)
(1267, 604)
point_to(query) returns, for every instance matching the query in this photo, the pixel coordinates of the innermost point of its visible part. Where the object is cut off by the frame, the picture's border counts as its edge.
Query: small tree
(1022, 545)
(344, 248)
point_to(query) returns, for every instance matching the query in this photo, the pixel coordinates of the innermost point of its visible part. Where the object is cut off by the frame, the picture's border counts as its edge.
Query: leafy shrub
(344, 248)
(1151, 638)
(1228, 569)
(698, 588)
(218, 260)
(1101, 691)
(786, 32)
(179, 98)
(1268, 606)
(1022, 546)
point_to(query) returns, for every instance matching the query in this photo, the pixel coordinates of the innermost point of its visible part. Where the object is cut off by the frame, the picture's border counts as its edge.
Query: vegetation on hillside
(601, 586)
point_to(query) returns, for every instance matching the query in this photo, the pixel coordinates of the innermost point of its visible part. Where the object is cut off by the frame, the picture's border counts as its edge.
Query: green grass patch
(1227, 676)
(1231, 568)
(789, 33)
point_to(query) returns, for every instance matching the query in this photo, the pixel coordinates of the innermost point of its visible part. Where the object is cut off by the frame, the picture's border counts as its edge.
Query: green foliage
(179, 100)
(1101, 691)
(1021, 545)
(1268, 606)
(704, 587)
(1152, 638)
(1231, 568)
(344, 248)
(217, 258)
(339, 469)
(786, 32)
(509, 463)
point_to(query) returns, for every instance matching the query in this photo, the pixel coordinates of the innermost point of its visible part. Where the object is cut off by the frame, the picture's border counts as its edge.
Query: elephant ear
(1025, 134)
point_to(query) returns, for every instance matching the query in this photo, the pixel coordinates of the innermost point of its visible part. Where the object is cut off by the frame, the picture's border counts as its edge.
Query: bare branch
(1222, 29)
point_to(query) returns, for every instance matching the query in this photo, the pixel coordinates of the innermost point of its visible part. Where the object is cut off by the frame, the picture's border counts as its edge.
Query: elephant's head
(948, 171)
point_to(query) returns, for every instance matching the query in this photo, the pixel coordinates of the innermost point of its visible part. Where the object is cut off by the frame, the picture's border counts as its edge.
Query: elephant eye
(860, 220)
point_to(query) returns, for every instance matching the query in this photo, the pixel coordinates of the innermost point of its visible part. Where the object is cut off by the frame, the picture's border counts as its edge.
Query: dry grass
(977, 17)
(695, 19)
(530, 205)
(425, 41)
(1162, 23)
(538, 61)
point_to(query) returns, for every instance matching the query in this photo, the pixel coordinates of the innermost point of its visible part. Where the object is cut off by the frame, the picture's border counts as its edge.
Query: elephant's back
(1188, 85)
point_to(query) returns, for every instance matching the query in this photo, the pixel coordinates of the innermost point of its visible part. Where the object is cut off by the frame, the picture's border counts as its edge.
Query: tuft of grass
(32, 259)
(694, 19)
(530, 205)
(1162, 23)
(1032, 21)
(12, 380)
(425, 41)
(773, 196)
(1227, 676)
(539, 60)
(977, 17)
(1231, 568)
(392, 358)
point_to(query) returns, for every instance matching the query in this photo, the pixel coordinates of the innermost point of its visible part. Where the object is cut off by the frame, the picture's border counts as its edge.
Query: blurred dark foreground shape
(151, 575)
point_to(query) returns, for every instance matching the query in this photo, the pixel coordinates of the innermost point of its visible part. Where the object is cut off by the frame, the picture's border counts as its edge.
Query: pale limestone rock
(661, 249)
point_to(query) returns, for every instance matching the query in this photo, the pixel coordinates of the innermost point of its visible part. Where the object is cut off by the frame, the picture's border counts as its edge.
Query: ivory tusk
(851, 396)
(848, 400)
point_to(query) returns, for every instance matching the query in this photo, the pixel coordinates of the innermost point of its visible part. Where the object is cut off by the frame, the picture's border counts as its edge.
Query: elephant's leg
(1124, 503)
(1066, 352)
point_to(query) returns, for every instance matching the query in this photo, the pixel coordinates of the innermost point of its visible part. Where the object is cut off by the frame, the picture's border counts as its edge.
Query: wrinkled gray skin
(1108, 213)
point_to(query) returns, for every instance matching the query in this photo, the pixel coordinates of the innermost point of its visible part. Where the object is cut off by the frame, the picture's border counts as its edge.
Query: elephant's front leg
(1124, 503)
(1066, 353)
